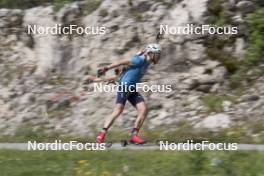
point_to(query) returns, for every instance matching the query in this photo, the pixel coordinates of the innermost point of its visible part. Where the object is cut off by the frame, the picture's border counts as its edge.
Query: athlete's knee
(119, 109)
(142, 110)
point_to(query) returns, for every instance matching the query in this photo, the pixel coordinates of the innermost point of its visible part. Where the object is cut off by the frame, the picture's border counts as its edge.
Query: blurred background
(218, 80)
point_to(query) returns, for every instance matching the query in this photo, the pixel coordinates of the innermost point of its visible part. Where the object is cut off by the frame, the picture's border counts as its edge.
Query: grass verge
(250, 132)
(130, 163)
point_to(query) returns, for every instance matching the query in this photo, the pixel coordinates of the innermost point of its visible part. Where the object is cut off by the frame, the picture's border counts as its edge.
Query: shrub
(90, 6)
(216, 13)
(24, 4)
(103, 13)
(254, 52)
(256, 38)
(214, 102)
(227, 59)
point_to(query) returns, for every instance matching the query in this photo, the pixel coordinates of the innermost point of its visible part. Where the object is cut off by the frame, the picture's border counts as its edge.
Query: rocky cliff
(41, 75)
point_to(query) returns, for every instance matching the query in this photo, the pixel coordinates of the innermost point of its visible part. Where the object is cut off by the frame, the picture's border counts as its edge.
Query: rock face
(246, 6)
(214, 122)
(9, 19)
(40, 81)
(46, 48)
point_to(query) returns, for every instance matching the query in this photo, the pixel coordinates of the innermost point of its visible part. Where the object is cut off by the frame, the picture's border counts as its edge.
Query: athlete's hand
(102, 71)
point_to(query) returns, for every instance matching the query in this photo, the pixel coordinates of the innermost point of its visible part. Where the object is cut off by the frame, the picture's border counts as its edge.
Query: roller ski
(135, 140)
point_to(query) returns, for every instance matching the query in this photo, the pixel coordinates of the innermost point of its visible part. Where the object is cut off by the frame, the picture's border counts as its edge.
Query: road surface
(117, 146)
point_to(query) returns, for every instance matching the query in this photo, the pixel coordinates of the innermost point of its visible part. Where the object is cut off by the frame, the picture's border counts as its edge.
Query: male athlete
(136, 68)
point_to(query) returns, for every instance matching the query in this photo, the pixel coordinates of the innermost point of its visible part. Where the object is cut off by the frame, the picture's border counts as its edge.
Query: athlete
(135, 70)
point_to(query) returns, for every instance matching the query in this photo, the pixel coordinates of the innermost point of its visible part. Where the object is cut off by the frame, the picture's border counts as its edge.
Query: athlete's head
(154, 52)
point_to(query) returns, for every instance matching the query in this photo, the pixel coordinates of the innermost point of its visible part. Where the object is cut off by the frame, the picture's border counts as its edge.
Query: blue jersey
(135, 71)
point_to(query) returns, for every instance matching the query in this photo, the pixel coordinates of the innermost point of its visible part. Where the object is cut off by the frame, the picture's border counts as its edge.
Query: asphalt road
(117, 146)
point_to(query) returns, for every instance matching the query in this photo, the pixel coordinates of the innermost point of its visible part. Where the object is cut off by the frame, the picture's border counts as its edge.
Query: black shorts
(133, 97)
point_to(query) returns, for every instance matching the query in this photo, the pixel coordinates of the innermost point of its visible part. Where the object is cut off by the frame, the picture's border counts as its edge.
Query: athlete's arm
(102, 71)
(118, 63)
(91, 79)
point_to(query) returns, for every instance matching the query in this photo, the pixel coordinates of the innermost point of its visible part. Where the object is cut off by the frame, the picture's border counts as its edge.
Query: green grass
(249, 132)
(130, 163)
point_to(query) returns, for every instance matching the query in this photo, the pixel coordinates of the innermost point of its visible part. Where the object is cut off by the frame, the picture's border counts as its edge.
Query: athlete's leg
(138, 102)
(119, 107)
(142, 112)
(117, 111)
